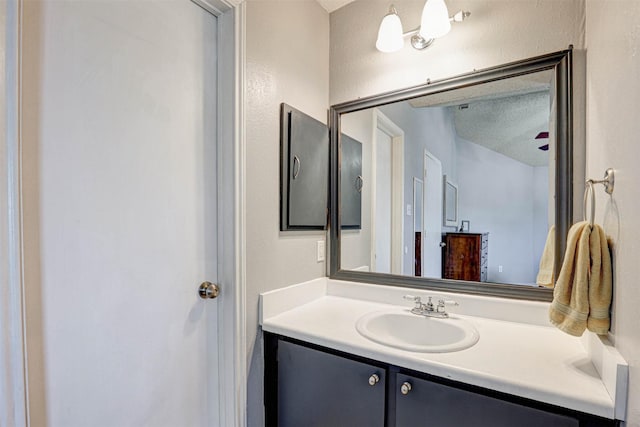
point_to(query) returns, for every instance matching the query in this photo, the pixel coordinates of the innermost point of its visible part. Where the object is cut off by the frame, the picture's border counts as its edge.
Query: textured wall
(613, 96)
(287, 54)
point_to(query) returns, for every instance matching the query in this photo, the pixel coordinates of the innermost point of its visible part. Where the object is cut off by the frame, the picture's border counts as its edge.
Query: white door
(432, 262)
(383, 202)
(120, 212)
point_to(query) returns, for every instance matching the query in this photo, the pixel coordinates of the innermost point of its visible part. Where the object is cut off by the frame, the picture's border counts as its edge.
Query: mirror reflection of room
(480, 158)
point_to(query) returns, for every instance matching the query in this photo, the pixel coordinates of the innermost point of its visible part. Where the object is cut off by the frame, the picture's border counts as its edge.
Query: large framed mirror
(503, 135)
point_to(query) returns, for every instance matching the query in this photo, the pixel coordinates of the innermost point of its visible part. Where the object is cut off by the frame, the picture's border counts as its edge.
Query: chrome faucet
(429, 309)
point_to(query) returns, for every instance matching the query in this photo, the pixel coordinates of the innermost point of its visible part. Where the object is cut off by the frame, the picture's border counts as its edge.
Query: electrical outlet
(321, 250)
(409, 211)
(499, 269)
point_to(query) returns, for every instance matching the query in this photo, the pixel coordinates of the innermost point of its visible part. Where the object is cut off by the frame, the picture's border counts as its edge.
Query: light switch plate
(321, 250)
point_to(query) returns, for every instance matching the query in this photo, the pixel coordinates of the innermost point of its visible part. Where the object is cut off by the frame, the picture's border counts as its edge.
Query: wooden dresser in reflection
(464, 256)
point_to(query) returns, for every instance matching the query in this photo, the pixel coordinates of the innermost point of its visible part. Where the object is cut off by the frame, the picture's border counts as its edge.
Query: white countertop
(525, 359)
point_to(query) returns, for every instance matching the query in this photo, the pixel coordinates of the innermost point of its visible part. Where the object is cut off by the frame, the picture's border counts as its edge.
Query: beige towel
(582, 294)
(545, 272)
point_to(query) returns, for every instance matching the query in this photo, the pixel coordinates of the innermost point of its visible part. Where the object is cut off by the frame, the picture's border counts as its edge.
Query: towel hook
(608, 182)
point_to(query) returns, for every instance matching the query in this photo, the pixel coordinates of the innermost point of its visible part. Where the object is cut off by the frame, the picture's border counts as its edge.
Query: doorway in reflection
(492, 148)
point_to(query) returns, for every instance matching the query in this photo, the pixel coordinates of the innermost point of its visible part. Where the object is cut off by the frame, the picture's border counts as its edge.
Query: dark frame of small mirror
(561, 63)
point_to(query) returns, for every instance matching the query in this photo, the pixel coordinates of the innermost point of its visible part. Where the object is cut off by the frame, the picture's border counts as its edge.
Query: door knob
(405, 388)
(374, 379)
(208, 290)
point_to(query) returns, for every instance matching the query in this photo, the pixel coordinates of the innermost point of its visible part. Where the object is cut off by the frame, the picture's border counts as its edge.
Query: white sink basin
(408, 331)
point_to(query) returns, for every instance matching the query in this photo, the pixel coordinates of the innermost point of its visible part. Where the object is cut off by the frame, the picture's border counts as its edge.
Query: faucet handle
(429, 305)
(442, 303)
(417, 300)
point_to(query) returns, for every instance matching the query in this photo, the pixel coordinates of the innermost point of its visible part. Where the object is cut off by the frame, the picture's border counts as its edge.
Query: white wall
(541, 219)
(496, 194)
(287, 57)
(613, 94)
(425, 128)
(356, 244)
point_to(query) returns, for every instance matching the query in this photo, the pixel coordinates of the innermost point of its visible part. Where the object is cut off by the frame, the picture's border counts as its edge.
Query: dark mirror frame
(562, 64)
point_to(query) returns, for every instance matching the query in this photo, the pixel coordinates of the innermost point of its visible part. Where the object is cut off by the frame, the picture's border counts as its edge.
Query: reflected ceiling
(508, 126)
(505, 115)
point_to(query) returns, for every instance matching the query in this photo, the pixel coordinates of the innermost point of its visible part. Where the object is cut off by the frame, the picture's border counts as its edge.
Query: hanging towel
(582, 294)
(545, 272)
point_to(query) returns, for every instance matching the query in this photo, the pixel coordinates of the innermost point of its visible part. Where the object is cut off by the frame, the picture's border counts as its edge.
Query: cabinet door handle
(405, 388)
(296, 172)
(374, 379)
(359, 183)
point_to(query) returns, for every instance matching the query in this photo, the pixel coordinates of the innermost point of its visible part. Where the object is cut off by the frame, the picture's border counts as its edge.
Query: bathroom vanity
(310, 385)
(320, 370)
(349, 350)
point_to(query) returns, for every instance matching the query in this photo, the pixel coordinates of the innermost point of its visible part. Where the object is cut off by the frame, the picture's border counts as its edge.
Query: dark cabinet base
(442, 405)
(308, 385)
(317, 389)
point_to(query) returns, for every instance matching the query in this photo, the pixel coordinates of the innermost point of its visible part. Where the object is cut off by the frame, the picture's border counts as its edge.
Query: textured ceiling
(508, 125)
(504, 116)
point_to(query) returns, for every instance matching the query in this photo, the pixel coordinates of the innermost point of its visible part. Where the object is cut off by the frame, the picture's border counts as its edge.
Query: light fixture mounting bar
(420, 43)
(391, 37)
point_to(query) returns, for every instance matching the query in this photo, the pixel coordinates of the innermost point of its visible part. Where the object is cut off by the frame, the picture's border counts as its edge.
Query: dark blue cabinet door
(437, 405)
(317, 389)
(308, 171)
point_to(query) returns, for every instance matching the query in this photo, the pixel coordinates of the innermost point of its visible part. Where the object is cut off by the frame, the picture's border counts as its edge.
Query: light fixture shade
(435, 19)
(390, 33)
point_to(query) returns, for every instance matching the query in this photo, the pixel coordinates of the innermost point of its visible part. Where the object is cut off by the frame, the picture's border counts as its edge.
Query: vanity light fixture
(390, 36)
(435, 23)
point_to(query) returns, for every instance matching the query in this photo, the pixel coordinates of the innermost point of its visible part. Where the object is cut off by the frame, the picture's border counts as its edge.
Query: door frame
(13, 374)
(418, 214)
(385, 124)
(231, 320)
(430, 155)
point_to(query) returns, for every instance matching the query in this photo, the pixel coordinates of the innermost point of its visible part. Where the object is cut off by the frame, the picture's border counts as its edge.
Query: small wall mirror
(493, 147)
(450, 217)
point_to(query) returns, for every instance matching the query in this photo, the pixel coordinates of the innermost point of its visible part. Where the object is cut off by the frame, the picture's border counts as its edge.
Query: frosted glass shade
(435, 20)
(390, 34)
